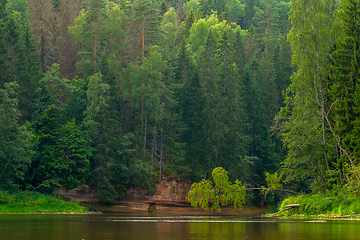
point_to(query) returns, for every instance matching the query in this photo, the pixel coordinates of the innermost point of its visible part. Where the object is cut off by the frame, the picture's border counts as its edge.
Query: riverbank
(172, 208)
(27, 202)
(320, 206)
(34, 202)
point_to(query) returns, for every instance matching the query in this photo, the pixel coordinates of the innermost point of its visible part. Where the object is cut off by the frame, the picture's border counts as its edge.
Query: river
(149, 227)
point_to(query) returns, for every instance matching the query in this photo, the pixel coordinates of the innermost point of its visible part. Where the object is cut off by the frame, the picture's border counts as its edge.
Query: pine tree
(266, 21)
(88, 30)
(345, 85)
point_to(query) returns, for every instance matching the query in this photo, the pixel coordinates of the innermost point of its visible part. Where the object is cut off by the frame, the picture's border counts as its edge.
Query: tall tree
(88, 30)
(345, 87)
(43, 24)
(16, 142)
(311, 39)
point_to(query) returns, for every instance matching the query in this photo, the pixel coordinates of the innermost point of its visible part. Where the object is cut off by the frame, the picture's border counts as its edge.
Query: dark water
(104, 227)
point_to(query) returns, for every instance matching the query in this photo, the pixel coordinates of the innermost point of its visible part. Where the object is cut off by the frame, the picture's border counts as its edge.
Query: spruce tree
(17, 141)
(345, 78)
(195, 133)
(209, 78)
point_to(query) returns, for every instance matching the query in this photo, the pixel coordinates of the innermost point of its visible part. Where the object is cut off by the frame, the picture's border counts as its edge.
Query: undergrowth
(322, 205)
(35, 202)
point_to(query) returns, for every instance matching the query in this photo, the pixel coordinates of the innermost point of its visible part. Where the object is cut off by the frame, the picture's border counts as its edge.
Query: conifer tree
(194, 135)
(16, 141)
(266, 21)
(345, 85)
(209, 70)
(88, 30)
(30, 73)
(232, 113)
(249, 13)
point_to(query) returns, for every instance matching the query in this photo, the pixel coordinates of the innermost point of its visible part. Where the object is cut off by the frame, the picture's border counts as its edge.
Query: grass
(34, 202)
(322, 206)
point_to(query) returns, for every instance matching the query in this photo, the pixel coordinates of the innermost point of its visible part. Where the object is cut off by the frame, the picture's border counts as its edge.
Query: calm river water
(113, 226)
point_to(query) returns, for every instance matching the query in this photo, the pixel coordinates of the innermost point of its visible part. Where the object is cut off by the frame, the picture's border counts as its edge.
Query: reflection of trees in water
(171, 231)
(219, 230)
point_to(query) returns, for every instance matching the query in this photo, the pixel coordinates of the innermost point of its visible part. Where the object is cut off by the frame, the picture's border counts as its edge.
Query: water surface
(126, 227)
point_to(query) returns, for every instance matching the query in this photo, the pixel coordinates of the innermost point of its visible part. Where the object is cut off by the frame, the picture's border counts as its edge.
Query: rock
(82, 194)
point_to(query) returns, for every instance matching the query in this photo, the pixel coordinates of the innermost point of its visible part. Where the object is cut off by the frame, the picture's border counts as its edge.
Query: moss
(34, 202)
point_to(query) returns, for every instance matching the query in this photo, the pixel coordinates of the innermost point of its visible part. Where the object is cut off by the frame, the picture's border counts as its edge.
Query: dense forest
(119, 94)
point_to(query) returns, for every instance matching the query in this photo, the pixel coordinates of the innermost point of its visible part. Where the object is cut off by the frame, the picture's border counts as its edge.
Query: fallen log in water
(287, 207)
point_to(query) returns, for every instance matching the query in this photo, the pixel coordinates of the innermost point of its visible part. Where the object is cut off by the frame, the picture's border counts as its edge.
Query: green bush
(5, 197)
(35, 202)
(311, 205)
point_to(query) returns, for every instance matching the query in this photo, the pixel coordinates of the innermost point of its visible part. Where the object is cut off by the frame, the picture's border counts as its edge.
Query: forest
(120, 94)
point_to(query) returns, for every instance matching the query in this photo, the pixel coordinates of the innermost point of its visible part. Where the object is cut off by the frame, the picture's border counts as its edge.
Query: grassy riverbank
(322, 206)
(34, 202)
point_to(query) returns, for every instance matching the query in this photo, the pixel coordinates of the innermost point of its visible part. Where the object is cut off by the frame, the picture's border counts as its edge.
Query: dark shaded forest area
(119, 94)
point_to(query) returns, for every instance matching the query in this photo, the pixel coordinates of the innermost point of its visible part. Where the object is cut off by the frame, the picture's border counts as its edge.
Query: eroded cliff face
(170, 199)
(172, 190)
(167, 190)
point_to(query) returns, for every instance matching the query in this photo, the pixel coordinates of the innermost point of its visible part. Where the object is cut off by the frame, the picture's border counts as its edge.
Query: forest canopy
(120, 94)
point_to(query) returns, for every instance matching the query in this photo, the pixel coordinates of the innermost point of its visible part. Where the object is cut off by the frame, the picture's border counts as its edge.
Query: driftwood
(287, 207)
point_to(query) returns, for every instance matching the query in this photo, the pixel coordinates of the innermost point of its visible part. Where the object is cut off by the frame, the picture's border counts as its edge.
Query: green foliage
(344, 90)
(322, 205)
(16, 142)
(273, 182)
(305, 131)
(34, 202)
(159, 95)
(218, 192)
(75, 152)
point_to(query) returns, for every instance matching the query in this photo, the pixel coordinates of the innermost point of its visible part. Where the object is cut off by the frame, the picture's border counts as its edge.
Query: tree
(16, 142)
(48, 167)
(192, 115)
(303, 120)
(218, 191)
(47, 164)
(344, 90)
(29, 73)
(52, 91)
(73, 169)
(209, 80)
(43, 23)
(170, 30)
(88, 30)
